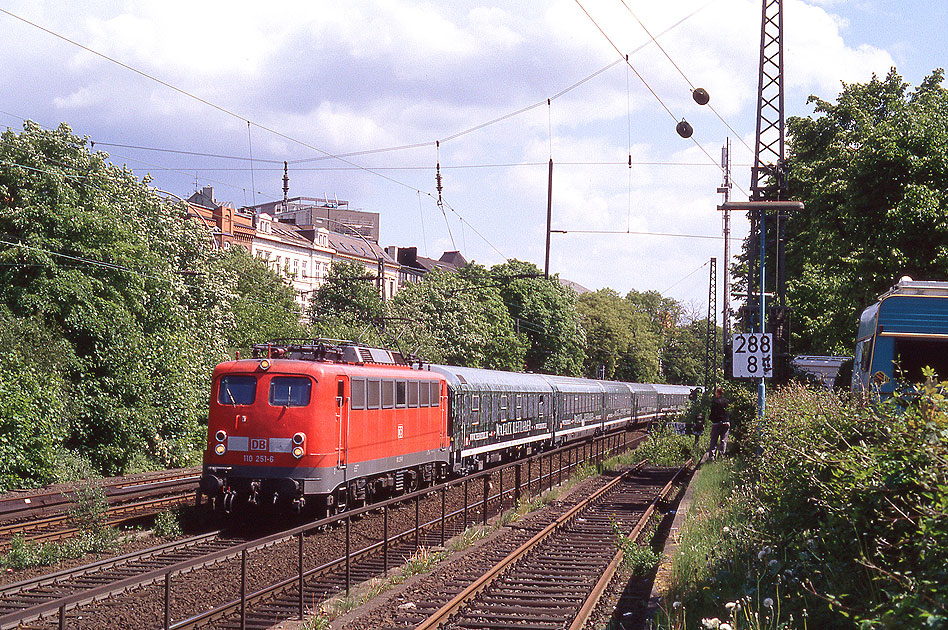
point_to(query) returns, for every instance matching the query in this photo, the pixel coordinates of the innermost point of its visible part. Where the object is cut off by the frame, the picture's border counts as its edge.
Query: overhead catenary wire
(681, 72)
(332, 156)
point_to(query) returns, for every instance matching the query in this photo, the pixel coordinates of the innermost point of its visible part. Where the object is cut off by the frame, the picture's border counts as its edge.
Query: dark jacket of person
(719, 409)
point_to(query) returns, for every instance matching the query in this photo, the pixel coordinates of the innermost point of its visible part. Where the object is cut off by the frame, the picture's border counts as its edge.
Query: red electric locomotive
(342, 423)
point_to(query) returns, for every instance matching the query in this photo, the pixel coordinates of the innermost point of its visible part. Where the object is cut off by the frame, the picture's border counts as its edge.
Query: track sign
(752, 355)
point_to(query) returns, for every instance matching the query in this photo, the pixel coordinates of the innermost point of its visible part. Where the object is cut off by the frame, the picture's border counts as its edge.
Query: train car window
(412, 393)
(388, 394)
(290, 391)
(502, 411)
(357, 387)
(237, 389)
(436, 394)
(519, 411)
(475, 402)
(373, 394)
(401, 393)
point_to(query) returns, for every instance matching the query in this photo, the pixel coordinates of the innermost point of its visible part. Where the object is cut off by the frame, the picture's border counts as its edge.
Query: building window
(304, 268)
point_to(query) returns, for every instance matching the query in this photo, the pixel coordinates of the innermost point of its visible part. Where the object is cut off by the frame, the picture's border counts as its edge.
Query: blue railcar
(903, 332)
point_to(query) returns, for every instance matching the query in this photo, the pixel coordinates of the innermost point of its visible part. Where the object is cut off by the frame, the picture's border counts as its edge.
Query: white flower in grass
(726, 626)
(768, 603)
(713, 623)
(676, 605)
(730, 605)
(726, 530)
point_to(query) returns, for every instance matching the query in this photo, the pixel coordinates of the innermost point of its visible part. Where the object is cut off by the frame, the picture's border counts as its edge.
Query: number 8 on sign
(752, 355)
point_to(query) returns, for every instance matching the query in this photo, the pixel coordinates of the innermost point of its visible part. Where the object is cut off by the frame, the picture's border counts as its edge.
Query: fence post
(243, 589)
(167, 600)
(385, 540)
(301, 577)
(484, 507)
(348, 556)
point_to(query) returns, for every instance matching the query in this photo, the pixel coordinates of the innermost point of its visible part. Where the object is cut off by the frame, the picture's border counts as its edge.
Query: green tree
(619, 339)
(92, 256)
(264, 306)
(872, 171)
(460, 319)
(348, 304)
(545, 311)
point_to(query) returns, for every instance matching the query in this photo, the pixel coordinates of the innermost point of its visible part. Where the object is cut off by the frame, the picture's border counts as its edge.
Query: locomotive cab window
(290, 391)
(237, 389)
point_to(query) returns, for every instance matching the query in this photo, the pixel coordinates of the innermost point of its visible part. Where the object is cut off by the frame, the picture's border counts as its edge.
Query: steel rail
(461, 599)
(589, 605)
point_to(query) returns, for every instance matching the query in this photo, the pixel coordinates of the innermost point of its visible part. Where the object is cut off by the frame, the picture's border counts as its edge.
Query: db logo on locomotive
(258, 444)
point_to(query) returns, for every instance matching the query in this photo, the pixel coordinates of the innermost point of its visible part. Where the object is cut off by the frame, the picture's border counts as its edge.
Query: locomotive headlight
(265, 364)
(299, 438)
(221, 435)
(220, 449)
(298, 452)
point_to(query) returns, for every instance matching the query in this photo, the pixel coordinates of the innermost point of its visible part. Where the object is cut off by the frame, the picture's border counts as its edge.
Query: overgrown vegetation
(835, 516)
(88, 514)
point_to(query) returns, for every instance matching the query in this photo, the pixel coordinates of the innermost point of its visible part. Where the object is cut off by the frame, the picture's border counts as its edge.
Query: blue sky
(316, 79)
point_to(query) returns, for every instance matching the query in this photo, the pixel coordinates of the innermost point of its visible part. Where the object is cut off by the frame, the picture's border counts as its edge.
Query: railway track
(101, 579)
(365, 556)
(43, 516)
(552, 576)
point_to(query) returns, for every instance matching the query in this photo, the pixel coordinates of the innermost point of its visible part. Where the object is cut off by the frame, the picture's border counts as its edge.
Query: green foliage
(639, 560)
(348, 305)
(460, 319)
(91, 256)
(33, 391)
(264, 306)
(838, 512)
(665, 447)
(168, 524)
(873, 174)
(619, 338)
(545, 312)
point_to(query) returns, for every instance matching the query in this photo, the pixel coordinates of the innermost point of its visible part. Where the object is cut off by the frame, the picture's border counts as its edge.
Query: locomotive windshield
(290, 391)
(237, 389)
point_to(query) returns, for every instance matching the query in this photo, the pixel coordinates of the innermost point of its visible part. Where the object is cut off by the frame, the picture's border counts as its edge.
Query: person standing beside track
(720, 424)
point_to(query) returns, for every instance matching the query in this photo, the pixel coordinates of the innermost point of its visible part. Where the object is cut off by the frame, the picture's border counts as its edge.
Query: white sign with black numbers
(752, 355)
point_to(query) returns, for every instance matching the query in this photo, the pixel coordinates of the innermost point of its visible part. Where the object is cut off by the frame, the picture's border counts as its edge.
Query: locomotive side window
(412, 393)
(388, 394)
(424, 397)
(237, 389)
(373, 394)
(401, 393)
(435, 394)
(357, 385)
(290, 391)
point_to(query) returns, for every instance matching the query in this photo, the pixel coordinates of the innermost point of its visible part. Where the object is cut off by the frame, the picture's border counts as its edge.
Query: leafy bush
(836, 512)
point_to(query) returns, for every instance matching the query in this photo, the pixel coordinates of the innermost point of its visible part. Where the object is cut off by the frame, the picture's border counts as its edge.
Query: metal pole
(348, 556)
(762, 387)
(385, 540)
(484, 508)
(243, 589)
(167, 600)
(301, 577)
(549, 219)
